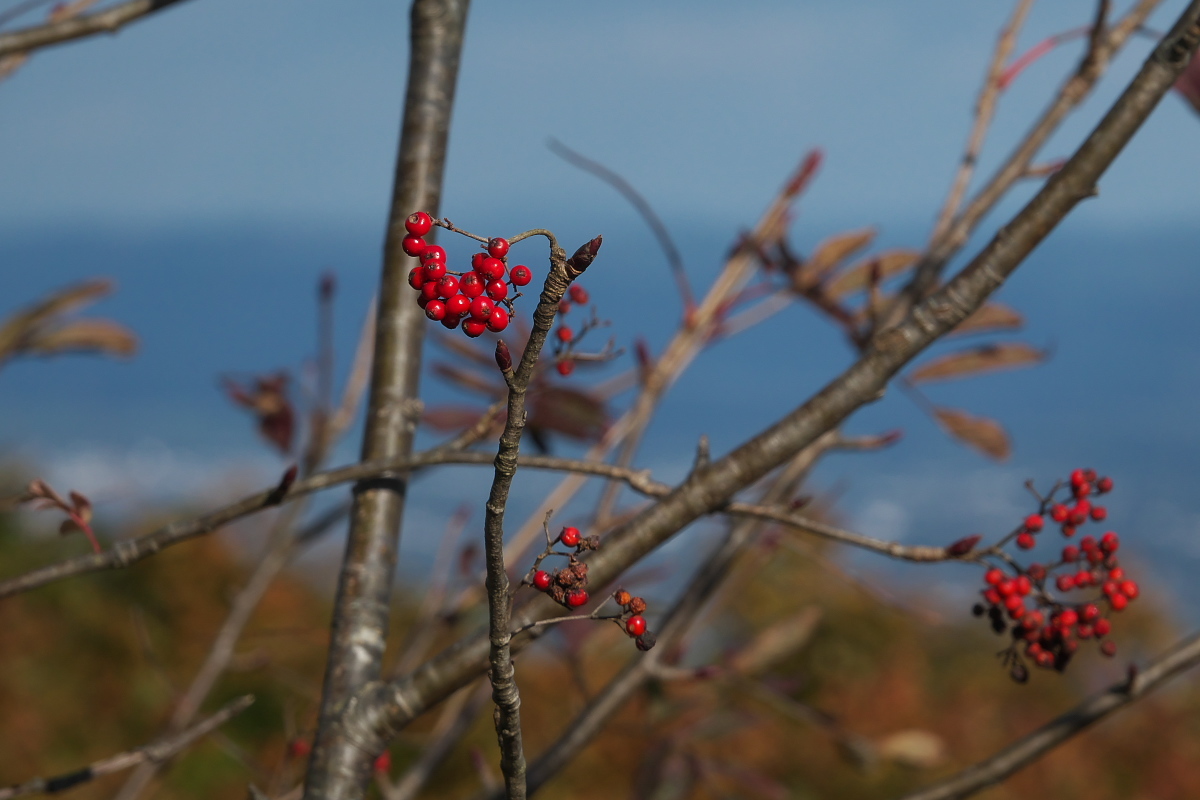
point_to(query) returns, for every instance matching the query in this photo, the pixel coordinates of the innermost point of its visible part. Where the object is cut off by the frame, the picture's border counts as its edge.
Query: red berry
(1110, 588)
(419, 223)
(416, 277)
(1070, 553)
(451, 320)
(1116, 574)
(1084, 631)
(520, 275)
(1099, 513)
(384, 762)
(1104, 485)
(1006, 587)
(1025, 541)
(1082, 507)
(1081, 489)
(1065, 583)
(1037, 572)
(429, 291)
(1082, 578)
(1110, 542)
(497, 247)
(413, 246)
(1024, 585)
(481, 308)
(541, 580)
(1068, 617)
(1044, 659)
(579, 295)
(577, 598)
(1087, 543)
(473, 328)
(563, 306)
(565, 334)
(1077, 477)
(1034, 523)
(992, 596)
(434, 271)
(458, 305)
(498, 321)
(1108, 648)
(1089, 612)
(471, 285)
(1102, 627)
(299, 748)
(435, 310)
(497, 290)
(1118, 601)
(1129, 589)
(1058, 512)
(569, 536)
(491, 268)
(1013, 602)
(433, 253)
(565, 368)
(447, 287)
(993, 576)
(636, 625)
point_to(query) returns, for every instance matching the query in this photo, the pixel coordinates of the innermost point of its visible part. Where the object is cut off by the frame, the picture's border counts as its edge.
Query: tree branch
(340, 763)
(1025, 751)
(110, 20)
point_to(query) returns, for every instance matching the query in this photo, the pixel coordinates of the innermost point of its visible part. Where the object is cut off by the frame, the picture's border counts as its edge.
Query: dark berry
(1104, 485)
(451, 320)
(1108, 648)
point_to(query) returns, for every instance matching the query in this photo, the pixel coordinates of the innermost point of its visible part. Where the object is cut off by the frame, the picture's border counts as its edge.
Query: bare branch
(110, 20)
(989, 772)
(155, 752)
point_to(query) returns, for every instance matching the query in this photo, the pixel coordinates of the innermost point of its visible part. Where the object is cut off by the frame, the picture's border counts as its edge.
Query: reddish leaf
(983, 434)
(267, 399)
(1188, 84)
(450, 419)
(570, 412)
(990, 317)
(977, 360)
(857, 277)
(964, 545)
(834, 250)
(469, 380)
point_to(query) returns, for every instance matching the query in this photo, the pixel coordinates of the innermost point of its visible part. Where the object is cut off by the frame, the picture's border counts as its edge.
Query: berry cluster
(631, 619)
(565, 363)
(478, 298)
(1048, 629)
(568, 585)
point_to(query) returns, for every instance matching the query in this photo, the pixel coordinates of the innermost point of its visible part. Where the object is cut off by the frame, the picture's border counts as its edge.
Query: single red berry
(384, 762)
(429, 291)
(1044, 659)
(435, 310)
(498, 320)
(1077, 518)
(1116, 574)
(1065, 583)
(299, 748)
(992, 596)
(497, 290)
(434, 271)
(520, 275)
(458, 305)
(577, 598)
(542, 580)
(497, 247)
(1101, 627)
(433, 253)
(1006, 587)
(1034, 523)
(993, 576)
(1033, 620)
(1087, 543)
(418, 223)
(1082, 579)
(565, 334)
(1099, 513)
(474, 328)
(1118, 601)
(481, 308)
(1037, 572)
(1089, 475)
(1108, 648)
(1077, 477)
(1104, 485)
(1068, 617)
(1081, 489)
(1025, 541)
(563, 306)
(1129, 589)
(636, 625)
(1082, 507)
(1110, 542)
(416, 277)
(566, 367)
(1024, 585)
(579, 294)
(477, 261)
(413, 246)
(1013, 602)
(451, 320)
(492, 269)
(471, 285)
(447, 287)
(1084, 631)
(1070, 553)
(569, 536)
(1058, 512)
(1110, 588)
(1089, 612)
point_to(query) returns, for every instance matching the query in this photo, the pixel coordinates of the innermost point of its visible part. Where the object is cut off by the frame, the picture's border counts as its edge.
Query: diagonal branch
(152, 753)
(989, 772)
(110, 20)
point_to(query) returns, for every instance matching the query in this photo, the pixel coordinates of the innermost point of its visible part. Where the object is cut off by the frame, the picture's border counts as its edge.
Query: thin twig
(110, 20)
(155, 752)
(1028, 749)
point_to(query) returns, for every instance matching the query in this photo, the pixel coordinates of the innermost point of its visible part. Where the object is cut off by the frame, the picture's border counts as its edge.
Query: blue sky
(215, 158)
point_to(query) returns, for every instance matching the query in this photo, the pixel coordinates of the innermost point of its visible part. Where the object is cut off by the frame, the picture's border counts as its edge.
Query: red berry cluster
(1046, 628)
(568, 585)
(565, 334)
(632, 620)
(478, 298)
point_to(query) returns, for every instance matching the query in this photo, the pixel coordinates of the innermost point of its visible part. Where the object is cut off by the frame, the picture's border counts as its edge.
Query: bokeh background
(218, 157)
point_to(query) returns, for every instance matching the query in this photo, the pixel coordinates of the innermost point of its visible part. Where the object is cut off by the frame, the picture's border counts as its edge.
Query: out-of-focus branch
(454, 723)
(382, 710)
(154, 752)
(110, 20)
(340, 765)
(1025, 751)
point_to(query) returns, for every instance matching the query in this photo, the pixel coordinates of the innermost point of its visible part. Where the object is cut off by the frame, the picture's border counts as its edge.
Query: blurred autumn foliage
(804, 682)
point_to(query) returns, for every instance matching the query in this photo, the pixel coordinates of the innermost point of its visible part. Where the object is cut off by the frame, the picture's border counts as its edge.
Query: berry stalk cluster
(1047, 629)
(477, 298)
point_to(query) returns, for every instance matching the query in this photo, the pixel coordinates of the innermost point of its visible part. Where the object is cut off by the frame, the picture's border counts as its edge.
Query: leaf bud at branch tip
(285, 483)
(503, 357)
(963, 546)
(585, 255)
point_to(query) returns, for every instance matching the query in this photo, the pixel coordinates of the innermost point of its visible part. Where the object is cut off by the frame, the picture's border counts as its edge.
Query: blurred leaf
(914, 748)
(990, 317)
(570, 412)
(450, 419)
(267, 399)
(857, 277)
(465, 349)
(777, 642)
(1188, 84)
(85, 335)
(985, 358)
(470, 380)
(833, 251)
(985, 435)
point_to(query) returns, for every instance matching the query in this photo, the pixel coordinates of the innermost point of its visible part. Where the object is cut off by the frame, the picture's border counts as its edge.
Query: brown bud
(327, 286)
(646, 641)
(622, 597)
(579, 570)
(280, 491)
(585, 255)
(591, 543)
(558, 593)
(564, 577)
(1018, 672)
(637, 605)
(963, 545)
(503, 356)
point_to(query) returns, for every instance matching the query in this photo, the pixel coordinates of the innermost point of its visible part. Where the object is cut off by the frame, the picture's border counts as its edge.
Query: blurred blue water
(1116, 307)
